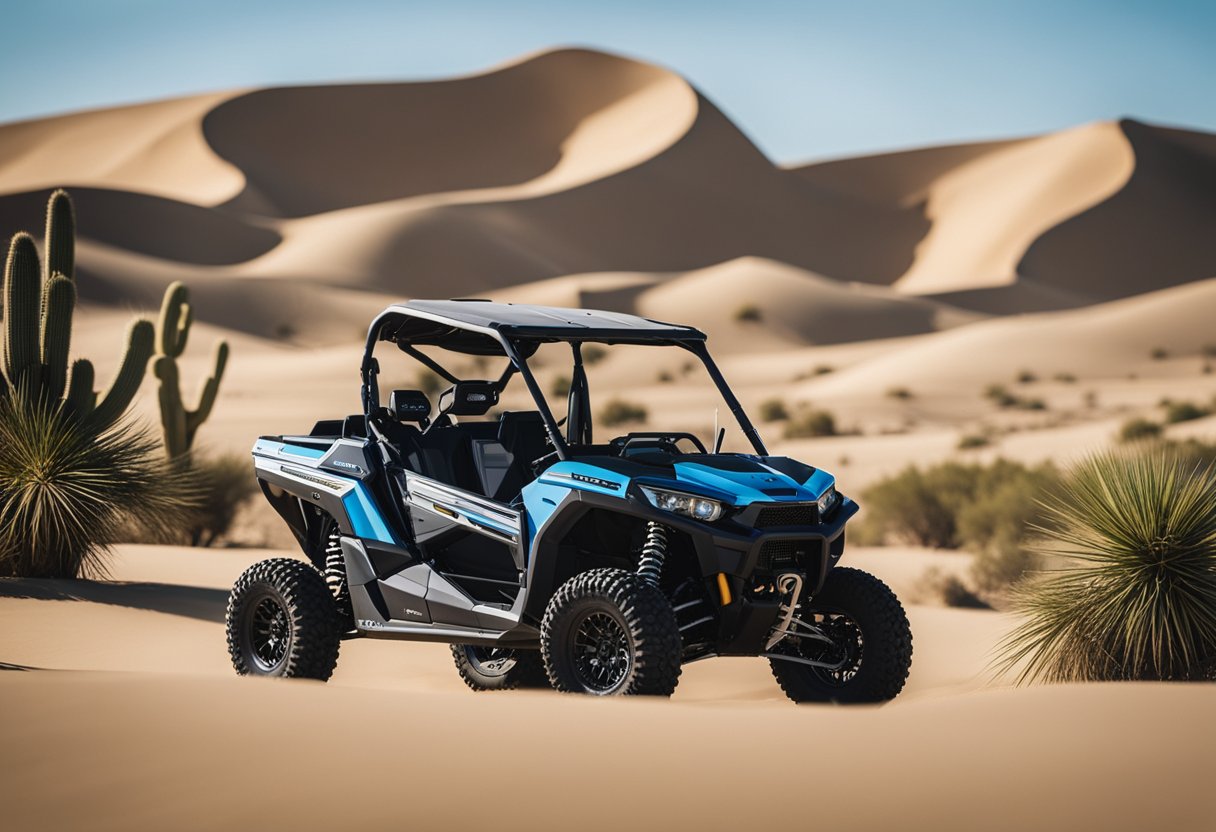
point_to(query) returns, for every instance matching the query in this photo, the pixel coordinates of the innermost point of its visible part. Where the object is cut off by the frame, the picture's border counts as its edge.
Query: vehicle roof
(466, 325)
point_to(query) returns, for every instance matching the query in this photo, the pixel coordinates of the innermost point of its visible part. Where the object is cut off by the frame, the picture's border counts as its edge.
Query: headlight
(827, 501)
(689, 505)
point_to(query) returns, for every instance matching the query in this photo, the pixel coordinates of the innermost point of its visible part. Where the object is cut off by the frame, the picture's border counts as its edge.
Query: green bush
(1026, 377)
(593, 354)
(1135, 430)
(902, 393)
(810, 423)
(560, 387)
(68, 493)
(1159, 353)
(774, 410)
(1183, 412)
(664, 377)
(619, 412)
(1136, 595)
(988, 509)
(1065, 378)
(748, 313)
(973, 440)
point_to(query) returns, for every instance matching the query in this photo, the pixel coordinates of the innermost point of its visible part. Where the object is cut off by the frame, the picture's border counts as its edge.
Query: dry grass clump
(1136, 595)
(1139, 429)
(810, 423)
(774, 410)
(620, 412)
(748, 313)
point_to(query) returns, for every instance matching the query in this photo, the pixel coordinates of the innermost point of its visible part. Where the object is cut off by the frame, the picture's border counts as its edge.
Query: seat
(406, 406)
(522, 434)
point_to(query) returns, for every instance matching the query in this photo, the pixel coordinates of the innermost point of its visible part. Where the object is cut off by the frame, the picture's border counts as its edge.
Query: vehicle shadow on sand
(204, 603)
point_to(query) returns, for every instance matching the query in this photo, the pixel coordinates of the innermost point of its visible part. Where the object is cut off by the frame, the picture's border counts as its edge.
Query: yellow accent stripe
(723, 588)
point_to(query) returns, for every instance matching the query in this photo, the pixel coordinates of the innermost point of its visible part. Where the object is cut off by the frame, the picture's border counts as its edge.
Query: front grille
(785, 554)
(797, 514)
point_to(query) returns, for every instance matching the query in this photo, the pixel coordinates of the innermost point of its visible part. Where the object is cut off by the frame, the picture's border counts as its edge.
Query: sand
(889, 290)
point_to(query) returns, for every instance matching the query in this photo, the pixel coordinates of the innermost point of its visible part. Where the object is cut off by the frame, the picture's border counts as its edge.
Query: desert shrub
(1001, 397)
(973, 440)
(954, 593)
(68, 493)
(748, 313)
(593, 354)
(902, 393)
(224, 483)
(619, 412)
(999, 566)
(810, 423)
(1065, 378)
(1135, 430)
(1208, 350)
(774, 410)
(560, 387)
(918, 507)
(664, 377)
(986, 508)
(1183, 412)
(429, 382)
(1135, 597)
(1159, 353)
(1026, 377)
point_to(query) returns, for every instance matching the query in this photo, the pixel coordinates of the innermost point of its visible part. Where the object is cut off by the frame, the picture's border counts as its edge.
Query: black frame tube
(699, 349)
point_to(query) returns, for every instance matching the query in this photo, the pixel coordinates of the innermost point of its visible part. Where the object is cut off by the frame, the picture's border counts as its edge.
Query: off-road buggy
(542, 556)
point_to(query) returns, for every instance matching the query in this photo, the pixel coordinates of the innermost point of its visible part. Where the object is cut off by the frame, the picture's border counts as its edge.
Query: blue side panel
(540, 501)
(297, 450)
(365, 519)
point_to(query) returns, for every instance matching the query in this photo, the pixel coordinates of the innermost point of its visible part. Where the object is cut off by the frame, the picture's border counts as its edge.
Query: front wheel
(607, 633)
(871, 644)
(282, 621)
(499, 668)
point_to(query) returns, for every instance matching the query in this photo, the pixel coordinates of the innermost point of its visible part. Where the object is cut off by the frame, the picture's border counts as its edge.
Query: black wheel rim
(269, 633)
(491, 661)
(602, 656)
(845, 651)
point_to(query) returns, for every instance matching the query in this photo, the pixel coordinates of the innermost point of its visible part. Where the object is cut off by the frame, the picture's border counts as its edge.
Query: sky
(805, 80)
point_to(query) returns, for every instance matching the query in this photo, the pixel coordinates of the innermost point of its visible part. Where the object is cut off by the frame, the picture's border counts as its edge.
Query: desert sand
(1083, 259)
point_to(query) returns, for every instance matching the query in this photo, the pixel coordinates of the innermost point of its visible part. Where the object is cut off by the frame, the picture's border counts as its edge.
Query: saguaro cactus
(38, 308)
(179, 423)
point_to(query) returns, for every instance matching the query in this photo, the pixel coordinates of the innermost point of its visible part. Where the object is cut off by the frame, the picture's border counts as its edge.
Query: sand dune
(574, 162)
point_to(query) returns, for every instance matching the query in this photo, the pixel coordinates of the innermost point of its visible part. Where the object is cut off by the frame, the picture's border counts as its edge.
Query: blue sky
(804, 79)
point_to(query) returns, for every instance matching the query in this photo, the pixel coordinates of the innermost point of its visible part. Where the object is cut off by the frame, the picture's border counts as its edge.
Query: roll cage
(516, 331)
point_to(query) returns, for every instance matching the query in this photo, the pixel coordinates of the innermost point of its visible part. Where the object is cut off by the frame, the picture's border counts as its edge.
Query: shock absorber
(654, 553)
(335, 572)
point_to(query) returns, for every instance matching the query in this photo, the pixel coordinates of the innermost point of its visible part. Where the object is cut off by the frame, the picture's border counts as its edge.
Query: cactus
(60, 236)
(38, 308)
(179, 423)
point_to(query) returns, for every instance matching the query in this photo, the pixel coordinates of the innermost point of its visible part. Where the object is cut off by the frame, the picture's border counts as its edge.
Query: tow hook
(789, 585)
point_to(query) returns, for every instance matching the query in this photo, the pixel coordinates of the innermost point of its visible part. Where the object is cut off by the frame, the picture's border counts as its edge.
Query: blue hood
(744, 480)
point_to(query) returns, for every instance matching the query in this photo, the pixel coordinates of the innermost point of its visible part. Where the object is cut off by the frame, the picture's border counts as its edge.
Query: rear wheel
(607, 633)
(282, 621)
(871, 644)
(499, 668)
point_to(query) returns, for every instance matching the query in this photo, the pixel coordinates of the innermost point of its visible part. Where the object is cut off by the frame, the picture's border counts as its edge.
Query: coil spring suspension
(335, 573)
(654, 553)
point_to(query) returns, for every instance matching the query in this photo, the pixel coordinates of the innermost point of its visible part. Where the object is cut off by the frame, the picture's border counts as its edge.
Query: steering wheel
(657, 438)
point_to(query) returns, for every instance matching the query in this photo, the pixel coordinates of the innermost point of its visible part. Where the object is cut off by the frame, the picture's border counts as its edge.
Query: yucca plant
(67, 493)
(1136, 595)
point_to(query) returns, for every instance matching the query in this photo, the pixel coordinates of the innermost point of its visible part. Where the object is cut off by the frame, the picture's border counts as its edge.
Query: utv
(545, 558)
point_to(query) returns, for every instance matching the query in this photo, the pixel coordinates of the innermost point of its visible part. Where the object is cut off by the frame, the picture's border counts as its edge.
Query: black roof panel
(552, 321)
